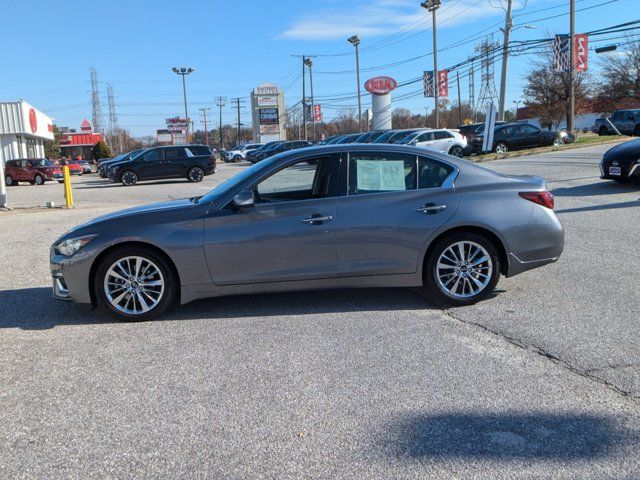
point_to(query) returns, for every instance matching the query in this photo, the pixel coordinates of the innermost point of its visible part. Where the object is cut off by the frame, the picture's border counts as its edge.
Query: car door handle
(317, 219)
(431, 208)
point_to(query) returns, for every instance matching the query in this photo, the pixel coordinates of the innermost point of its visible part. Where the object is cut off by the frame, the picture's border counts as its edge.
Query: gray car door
(394, 202)
(288, 235)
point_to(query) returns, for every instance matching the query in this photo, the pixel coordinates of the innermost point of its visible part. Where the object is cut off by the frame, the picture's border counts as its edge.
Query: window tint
(425, 137)
(304, 180)
(629, 116)
(152, 155)
(441, 135)
(617, 115)
(12, 164)
(381, 172)
(173, 152)
(507, 130)
(199, 149)
(530, 129)
(431, 173)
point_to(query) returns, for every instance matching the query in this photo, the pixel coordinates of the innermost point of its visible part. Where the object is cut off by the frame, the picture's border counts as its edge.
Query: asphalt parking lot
(541, 381)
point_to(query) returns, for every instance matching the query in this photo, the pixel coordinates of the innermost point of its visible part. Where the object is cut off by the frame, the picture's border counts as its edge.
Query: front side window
(381, 172)
(304, 180)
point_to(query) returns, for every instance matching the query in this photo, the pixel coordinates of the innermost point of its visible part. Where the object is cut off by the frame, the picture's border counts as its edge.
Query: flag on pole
(428, 81)
(561, 54)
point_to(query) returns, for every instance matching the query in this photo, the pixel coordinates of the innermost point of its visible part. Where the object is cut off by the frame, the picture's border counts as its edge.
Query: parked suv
(33, 170)
(240, 153)
(626, 121)
(442, 140)
(192, 162)
(103, 168)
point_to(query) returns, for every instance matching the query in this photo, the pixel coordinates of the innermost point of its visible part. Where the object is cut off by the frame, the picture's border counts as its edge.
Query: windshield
(385, 136)
(408, 138)
(399, 136)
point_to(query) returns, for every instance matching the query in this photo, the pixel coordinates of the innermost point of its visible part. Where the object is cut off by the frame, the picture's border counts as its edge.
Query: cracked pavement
(541, 381)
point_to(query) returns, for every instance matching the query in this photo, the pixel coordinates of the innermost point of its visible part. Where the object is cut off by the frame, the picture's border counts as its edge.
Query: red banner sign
(317, 113)
(380, 85)
(581, 52)
(443, 83)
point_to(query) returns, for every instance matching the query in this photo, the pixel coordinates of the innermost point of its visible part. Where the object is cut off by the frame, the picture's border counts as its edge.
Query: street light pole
(432, 6)
(508, 24)
(355, 41)
(309, 63)
(572, 91)
(184, 71)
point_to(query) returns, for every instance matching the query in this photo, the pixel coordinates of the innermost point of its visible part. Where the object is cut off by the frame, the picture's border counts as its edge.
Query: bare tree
(621, 76)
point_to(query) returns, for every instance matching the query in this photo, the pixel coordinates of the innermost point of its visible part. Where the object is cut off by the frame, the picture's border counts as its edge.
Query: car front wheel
(462, 269)
(501, 147)
(196, 174)
(456, 151)
(9, 181)
(603, 131)
(128, 178)
(134, 284)
(38, 180)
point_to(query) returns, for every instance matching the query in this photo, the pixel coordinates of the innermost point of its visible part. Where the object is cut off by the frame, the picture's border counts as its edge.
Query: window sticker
(375, 175)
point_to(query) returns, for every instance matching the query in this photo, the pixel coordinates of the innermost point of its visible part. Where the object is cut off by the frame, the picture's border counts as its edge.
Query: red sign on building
(33, 120)
(581, 52)
(443, 83)
(380, 85)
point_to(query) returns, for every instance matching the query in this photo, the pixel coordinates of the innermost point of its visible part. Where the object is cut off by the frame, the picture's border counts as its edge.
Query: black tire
(38, 179)
(503, 146)
(432, 285)
(195, 174)
(603, 131)
(60, 181)
(237, 158)
(169, 276)
(9, 181)
(456, 151)
(128, 178)
(636, 132)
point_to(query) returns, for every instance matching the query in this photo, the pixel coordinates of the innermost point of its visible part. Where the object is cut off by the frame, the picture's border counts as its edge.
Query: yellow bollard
(68, 194)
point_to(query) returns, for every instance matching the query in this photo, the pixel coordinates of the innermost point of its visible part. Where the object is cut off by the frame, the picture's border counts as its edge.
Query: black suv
(513, 136)
(192, 162)
(281, 147)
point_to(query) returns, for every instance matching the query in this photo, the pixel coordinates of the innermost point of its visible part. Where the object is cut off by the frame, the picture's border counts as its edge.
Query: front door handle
(317, 219)
(430, 208)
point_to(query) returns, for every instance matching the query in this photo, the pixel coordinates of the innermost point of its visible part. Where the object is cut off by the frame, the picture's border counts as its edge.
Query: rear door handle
(431, 208)
(317, 219)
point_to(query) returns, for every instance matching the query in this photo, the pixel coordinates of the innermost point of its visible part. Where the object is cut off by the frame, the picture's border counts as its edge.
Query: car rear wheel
(502, 147)
(9, 181)
(462, 269)
(603, 131)
(38, 180)
(196, 174)
(128, 178)
(456, 151)
(134, 283)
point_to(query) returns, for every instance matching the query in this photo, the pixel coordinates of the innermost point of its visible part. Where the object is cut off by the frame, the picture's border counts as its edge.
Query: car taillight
(541, 198)
(212, 159)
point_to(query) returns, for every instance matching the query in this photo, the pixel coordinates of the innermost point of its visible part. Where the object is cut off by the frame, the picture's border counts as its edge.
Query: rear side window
(431, 173)
(152, 155)
(381, 172)
(173, 153)
(441, 135)
(12, 164)
(199, 149)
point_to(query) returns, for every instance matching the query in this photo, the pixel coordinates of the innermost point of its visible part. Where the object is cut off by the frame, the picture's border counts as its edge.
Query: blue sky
(48, 47)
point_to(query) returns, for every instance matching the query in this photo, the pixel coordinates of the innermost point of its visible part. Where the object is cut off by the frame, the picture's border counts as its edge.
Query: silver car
(357, 215)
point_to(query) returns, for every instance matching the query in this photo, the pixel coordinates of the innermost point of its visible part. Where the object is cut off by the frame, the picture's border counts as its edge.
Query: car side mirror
(244, 199)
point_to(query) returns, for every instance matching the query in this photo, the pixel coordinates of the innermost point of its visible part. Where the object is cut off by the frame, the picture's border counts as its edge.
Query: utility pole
(238, 101)
(459, 99)
(572, 91)
(220, 104)
(184, 71)
(205, 112)
(508, 24)
(309, 64)
(355, 41)
(432, 6)
(304, 100)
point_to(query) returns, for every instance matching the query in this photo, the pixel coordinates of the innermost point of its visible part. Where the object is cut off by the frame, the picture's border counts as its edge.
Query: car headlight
(72, 245)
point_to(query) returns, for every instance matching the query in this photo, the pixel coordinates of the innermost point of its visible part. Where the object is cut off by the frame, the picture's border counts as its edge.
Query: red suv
(35, 171)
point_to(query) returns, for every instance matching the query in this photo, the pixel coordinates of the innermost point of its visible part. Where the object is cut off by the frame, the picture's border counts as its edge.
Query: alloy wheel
(456, 152)
(38, 179)
(8, 181)
(464, 269)
(134, 285)
(129, 178)
(196, 174)
(501, 148)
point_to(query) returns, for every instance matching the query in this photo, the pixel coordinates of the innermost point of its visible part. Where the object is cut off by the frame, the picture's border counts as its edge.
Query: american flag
(428, 80)
(561, 54)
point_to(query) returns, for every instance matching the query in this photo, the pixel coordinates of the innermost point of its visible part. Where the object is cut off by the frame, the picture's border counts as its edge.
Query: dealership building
(23, 131)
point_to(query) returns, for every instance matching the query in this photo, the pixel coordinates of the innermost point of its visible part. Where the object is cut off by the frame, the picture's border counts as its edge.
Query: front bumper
(70, 276)
(628, 170)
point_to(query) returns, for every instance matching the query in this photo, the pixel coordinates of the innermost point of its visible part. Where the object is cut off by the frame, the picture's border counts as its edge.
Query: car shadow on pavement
(543, 436)
(591, 208)
(604, 187)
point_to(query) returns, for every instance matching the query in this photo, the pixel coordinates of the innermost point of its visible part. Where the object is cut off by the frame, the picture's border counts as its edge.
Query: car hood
(630, 149)
(95, 224)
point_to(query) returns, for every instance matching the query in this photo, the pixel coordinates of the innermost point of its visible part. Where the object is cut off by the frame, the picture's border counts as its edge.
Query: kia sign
(380, 85)
(581, 51)
(33, 121)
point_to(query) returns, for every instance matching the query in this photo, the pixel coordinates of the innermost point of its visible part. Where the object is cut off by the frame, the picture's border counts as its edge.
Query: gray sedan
(358, 215)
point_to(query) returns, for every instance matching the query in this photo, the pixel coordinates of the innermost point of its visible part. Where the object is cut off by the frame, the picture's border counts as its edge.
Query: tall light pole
(184, 71)
(517, 102)
(309, 63)
(355, 41)
(508, 24)
(432, 6)
(572, 91)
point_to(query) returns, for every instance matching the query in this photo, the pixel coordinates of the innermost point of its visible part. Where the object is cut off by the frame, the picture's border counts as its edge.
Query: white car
(240, 153)
(441, 140)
